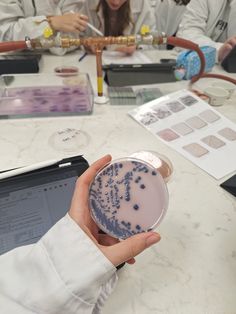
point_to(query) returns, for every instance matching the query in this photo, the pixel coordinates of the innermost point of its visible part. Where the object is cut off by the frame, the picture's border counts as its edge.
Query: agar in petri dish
(128, 196)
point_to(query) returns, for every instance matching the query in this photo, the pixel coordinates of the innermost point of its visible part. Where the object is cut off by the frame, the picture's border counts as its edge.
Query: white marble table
(193, 268)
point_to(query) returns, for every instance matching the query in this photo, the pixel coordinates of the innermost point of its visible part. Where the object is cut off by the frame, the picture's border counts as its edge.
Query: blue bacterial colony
(115, 197)
(46, 99)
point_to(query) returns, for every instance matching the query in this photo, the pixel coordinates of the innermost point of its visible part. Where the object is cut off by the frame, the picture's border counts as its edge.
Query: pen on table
(95, 29)
(39, 165)
(83, 56)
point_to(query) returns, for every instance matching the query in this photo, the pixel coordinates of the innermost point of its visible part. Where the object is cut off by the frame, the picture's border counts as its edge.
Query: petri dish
(66, 71)
(158, 161)
(69, 140)
(128, 196)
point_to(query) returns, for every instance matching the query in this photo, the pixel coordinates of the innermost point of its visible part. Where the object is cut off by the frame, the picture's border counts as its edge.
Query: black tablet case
(139, 74)
(19, 63)
(230, 185)
(66, 168)
(229, 62)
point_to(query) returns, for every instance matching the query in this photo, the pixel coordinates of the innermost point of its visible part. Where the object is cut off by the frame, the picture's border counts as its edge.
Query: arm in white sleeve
(232, 19)
(71, 5)
(64, 272)
(14, 25)
(194, 24)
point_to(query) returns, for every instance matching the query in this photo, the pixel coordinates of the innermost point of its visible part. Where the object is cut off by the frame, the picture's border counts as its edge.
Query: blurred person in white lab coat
(210, 22)
(168, 15)
(72, 268)
(119, 17)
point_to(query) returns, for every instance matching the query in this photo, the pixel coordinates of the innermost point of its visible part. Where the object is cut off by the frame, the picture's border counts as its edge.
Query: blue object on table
(190, 61)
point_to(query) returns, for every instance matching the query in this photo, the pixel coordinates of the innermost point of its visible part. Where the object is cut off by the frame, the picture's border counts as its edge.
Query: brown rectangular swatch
(228, 133)
(182, 128)
(196, 123)
(213, 141)
(196, 150)
(209, 116)
(168, 135)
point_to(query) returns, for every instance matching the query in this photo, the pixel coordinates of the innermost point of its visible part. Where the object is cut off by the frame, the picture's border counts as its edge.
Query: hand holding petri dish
(128, 196)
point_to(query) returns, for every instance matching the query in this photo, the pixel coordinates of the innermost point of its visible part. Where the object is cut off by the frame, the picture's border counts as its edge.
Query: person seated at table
(212, 23)
(21, 18)
(72, 268)
(168, 15)
(118, 17)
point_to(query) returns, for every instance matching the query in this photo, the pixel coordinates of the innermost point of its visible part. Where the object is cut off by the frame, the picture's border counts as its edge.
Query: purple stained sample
(46, 99)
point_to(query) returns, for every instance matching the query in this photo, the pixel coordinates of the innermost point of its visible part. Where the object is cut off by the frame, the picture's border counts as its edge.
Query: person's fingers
(232, 41)
(128, 50)
(81, 24)
(84, 17)
(131, 261)
(106, 240)
(79, 27)
(80, 197)
(129, 248)
(224, 51)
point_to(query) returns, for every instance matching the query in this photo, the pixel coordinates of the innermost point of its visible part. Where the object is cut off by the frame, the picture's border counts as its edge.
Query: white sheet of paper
(183, 121)
(116, 57)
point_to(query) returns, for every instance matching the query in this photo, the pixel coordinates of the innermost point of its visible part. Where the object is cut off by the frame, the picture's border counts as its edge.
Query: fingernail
(152, 239)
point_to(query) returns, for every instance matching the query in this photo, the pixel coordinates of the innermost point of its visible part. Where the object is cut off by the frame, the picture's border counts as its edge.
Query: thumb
(129, 248)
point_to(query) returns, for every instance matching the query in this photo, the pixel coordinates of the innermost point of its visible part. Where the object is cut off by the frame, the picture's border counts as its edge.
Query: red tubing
(174, 41)
(182, 43)
(12, 45)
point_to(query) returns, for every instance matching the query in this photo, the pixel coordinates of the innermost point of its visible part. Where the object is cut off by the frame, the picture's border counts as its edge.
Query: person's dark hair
(123, 18)
(180, 2)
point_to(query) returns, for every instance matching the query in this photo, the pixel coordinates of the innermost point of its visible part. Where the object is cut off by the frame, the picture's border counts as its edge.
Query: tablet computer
(139, 74)
(31, 203)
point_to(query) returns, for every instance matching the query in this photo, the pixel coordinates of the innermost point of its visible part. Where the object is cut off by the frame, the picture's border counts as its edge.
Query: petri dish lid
(128, 196)
(158, 161)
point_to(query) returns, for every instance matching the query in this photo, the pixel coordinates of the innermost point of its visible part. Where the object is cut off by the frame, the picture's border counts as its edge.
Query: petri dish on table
(69, 140)
(66, 70)
(128, 196)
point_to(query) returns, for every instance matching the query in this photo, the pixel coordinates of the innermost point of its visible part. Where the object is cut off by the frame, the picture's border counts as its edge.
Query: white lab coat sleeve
(64, 272)
(71, 5)
(15, 26)
(232, 19)
(194, 23)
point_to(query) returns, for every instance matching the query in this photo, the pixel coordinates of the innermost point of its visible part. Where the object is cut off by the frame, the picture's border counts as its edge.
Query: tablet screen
(29, 207)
